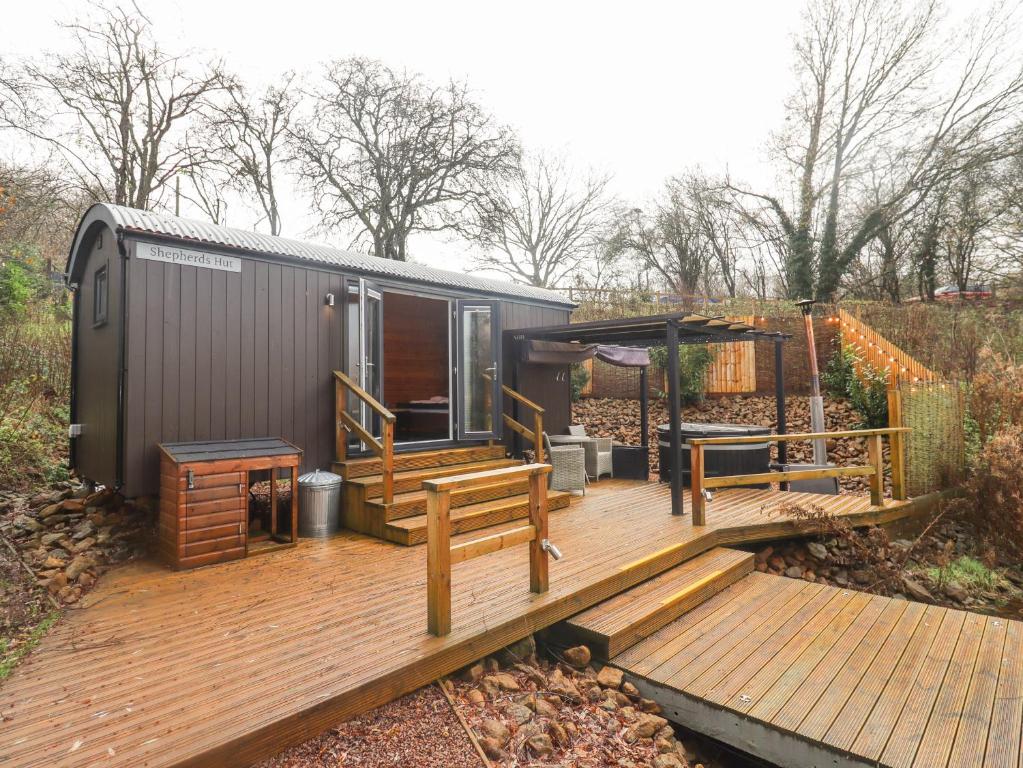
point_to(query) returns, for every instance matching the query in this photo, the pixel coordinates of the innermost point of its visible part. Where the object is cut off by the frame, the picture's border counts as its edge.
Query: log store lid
(250, 448)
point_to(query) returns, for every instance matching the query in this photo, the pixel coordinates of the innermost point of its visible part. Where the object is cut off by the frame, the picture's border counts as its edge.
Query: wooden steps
(403, 520)
(617, 624)
(440, 457)
(413, 503)
(412, 530)
(412, 479)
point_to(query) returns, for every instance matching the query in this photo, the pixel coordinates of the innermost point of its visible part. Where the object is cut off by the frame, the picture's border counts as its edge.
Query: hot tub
(718, 460)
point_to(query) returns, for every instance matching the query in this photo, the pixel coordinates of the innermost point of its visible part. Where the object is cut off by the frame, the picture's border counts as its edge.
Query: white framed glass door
(477, 371)
(364, 345)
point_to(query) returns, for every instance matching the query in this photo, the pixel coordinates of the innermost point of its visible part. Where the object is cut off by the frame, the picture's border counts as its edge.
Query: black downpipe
(121, 370)
(72, 458)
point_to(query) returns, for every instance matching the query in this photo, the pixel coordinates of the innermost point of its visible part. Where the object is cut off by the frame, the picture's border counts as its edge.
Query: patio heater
(820, 452)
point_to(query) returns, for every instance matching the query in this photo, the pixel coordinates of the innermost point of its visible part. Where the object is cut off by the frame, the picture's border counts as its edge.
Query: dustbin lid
(319, 479)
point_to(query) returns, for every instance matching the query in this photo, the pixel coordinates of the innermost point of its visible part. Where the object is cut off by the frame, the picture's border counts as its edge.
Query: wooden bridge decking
(231, 663)
(803, 674)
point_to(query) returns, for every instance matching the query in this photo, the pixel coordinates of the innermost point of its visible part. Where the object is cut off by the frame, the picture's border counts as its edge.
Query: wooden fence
(733, 370)
(879, 353)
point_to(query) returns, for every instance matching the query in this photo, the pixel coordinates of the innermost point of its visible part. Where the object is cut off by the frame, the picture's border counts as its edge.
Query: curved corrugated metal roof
(137, 221)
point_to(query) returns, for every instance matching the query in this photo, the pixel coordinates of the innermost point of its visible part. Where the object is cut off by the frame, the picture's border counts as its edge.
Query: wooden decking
(228, 664)
(803, 674)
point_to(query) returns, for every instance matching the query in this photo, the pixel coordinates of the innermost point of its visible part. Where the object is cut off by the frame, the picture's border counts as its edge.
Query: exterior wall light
(329, 299)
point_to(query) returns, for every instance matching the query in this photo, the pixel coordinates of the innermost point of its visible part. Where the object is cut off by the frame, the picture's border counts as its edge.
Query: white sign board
(172, 254)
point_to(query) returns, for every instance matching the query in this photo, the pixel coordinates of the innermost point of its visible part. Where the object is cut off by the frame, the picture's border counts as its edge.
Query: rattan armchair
(598, 452)
(568, 466)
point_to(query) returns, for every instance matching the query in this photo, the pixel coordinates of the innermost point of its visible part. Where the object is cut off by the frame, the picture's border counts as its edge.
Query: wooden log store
(207, 505)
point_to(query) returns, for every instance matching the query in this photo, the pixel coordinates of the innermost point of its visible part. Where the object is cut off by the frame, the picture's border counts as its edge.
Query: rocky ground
(54, 545)
(521, 709)
(620, 419)
(944, 566)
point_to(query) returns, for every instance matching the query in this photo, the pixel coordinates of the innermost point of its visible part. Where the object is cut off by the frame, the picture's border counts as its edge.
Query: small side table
(631, 461)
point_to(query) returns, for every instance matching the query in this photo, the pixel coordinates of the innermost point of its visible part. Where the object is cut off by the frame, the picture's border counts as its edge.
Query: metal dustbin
(319, 506)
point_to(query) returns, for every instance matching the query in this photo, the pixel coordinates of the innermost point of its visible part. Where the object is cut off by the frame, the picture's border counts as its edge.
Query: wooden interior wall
(215, 355)
(415, 348)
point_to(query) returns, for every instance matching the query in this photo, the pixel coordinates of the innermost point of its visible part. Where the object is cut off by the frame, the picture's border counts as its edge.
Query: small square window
(100, 294)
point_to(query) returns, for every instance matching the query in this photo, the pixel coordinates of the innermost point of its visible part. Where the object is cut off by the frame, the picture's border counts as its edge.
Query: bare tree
(115, 110)
(670, 241)
(1007, 240)
(541, 223)
(38, 214)
(391, 155)
(873, 79)
(968, 224)
(248, 137)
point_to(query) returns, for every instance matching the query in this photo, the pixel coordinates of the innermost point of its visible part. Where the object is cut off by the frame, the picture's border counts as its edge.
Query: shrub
(866, 392)
(869, 396)
(580, 377)
(16, 289)
(693, 362)
(995, 397)
(34, 385)
(993, 493)
(839, 373)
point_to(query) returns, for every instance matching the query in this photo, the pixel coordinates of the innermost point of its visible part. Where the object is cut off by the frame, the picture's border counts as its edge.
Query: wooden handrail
(521, 398)
(486, 477)
(730, 481)
(365, 396)
(534, 435)
(752, 439)
(440, 554)
(873, 470)
(345, 422)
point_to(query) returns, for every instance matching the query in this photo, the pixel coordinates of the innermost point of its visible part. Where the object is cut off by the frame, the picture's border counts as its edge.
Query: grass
(10, 656)
(967, 572)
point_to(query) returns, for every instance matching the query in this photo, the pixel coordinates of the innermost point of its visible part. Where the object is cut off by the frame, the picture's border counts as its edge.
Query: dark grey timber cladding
(96, 364)
(546, 385)
(215, 355)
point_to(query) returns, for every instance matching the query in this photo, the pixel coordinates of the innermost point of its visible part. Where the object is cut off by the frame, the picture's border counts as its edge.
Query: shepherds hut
(186, 331)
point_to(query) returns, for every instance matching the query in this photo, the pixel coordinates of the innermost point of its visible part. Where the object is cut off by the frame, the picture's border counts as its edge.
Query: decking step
(413, 503)
(611, 627)
(412, 530)
(412, 479)
(440, 457)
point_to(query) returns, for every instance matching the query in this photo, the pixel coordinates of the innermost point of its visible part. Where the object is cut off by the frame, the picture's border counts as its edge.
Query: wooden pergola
(670, 330)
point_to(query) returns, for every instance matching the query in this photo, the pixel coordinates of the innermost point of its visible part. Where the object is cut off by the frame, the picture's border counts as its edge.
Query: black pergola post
(644, 409)
(674, 418)
(779, 396)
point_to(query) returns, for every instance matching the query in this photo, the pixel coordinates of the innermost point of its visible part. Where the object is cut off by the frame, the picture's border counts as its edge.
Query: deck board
(840, 676)
(230, 663)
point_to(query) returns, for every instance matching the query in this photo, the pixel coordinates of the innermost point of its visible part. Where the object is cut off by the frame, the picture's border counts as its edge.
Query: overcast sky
(639, 89)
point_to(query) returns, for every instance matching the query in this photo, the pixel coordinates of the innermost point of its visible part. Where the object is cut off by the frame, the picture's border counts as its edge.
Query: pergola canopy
(671, 330)
(652, 330)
